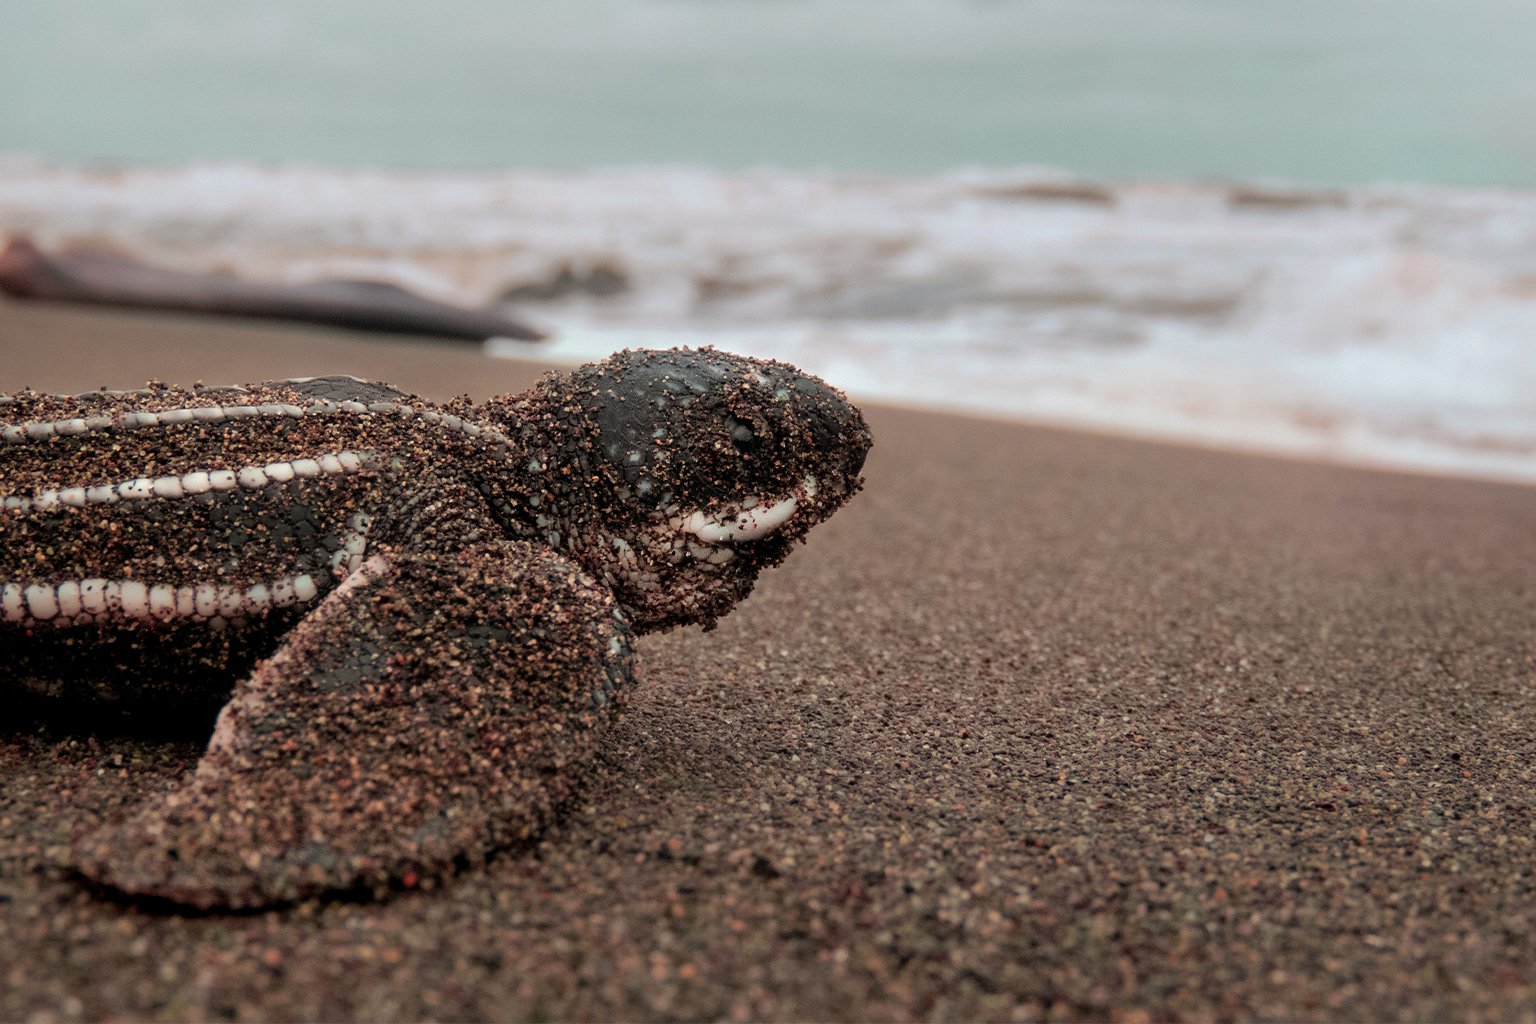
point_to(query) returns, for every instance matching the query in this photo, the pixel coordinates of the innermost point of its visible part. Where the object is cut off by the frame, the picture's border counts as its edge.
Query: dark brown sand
(1041, 725)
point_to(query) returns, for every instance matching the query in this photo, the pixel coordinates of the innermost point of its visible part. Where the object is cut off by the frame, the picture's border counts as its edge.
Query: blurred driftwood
(108, 278)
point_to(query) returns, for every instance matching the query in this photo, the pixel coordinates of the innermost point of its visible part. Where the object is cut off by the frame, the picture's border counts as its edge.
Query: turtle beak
(838, 434)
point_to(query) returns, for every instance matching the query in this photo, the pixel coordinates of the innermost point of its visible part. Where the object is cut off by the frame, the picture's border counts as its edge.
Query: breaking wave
(1385, 324)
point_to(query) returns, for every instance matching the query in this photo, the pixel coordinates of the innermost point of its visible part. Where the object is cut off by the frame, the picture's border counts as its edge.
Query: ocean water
(1386, 325)
(1304, 227)
(1320, 91)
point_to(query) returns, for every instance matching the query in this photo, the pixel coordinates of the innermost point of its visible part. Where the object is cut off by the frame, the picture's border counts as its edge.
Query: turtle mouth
(752, 519)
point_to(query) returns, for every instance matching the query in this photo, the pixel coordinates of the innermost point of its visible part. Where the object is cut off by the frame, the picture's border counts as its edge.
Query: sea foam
(1389, 325)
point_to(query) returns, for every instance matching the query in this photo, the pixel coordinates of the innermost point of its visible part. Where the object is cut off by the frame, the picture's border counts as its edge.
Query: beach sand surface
(1043, 725)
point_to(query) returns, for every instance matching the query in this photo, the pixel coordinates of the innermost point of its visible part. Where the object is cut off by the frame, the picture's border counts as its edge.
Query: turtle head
(677, 476)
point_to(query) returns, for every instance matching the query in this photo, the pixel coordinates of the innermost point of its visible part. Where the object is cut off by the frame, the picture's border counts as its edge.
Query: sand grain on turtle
(416, 617)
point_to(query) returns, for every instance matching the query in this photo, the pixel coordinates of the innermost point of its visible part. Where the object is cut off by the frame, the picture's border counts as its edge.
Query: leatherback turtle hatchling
(424, 611)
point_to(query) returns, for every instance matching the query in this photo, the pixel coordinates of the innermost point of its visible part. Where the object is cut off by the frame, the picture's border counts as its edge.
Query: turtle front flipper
(435, 708)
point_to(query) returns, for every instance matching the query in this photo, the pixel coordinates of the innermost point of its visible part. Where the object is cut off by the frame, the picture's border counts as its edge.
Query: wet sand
(1041, 725)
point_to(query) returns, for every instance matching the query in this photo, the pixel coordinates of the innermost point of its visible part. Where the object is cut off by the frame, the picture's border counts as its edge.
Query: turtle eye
(742, 434)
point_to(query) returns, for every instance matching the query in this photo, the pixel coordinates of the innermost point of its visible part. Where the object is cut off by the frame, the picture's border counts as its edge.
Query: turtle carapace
(414, 616)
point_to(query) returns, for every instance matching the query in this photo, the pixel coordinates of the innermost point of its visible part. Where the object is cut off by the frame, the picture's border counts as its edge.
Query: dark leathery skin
(433, 602)
(635, 440)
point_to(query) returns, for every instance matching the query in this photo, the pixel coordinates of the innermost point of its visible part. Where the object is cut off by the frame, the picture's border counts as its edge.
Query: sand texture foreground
(1041, 725)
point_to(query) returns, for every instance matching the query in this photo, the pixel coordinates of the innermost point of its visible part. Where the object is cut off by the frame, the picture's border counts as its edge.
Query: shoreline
(1377, 325)
(1043, 725)
(1514, 470)
(504, 366)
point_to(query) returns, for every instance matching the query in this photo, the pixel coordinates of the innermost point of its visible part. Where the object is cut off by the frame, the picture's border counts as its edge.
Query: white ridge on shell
(74, 602)
(199, 482)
